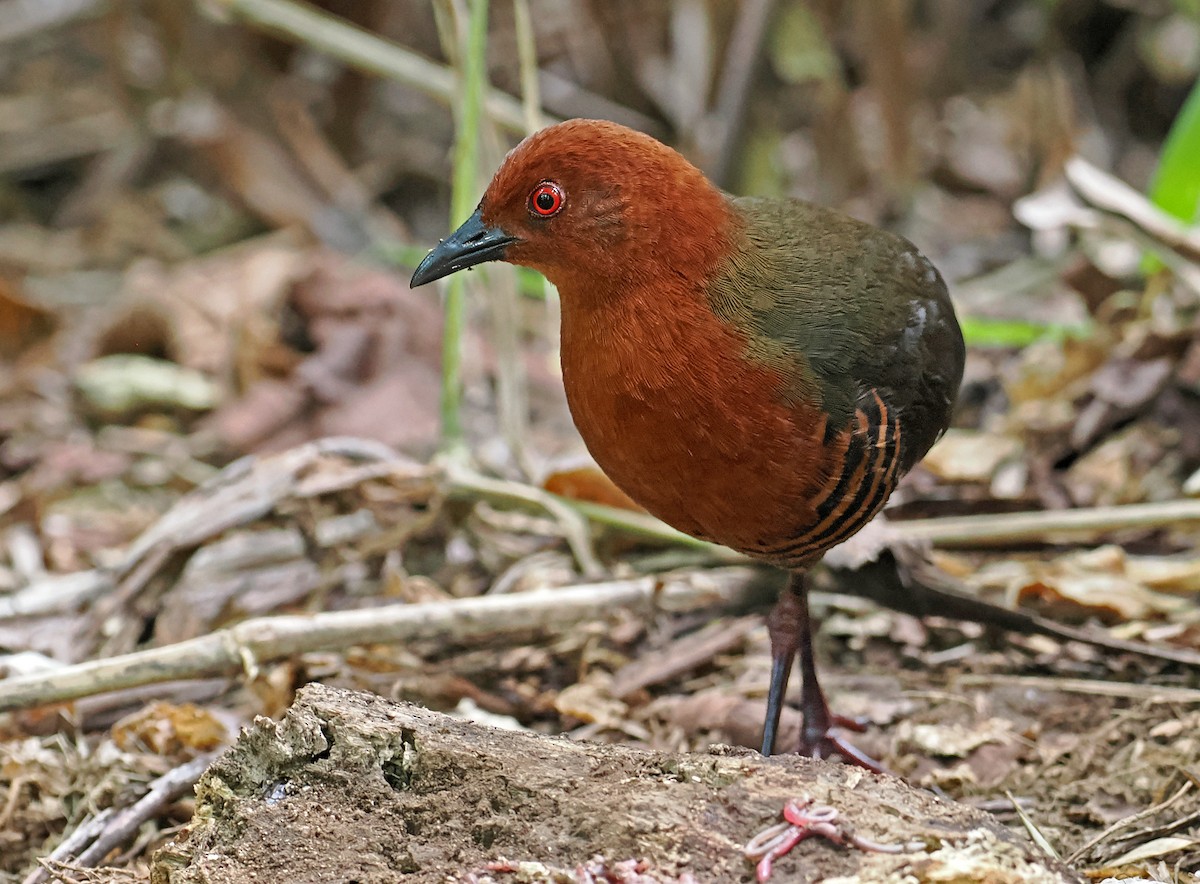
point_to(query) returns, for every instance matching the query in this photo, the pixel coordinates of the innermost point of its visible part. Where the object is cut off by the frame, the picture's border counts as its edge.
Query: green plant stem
(531, 98)
(463, 194)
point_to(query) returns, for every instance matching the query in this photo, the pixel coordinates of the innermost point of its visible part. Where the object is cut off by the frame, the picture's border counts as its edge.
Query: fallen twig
(1045, 525)
(83, 834)
(1126, 822)
(1110, 194)
(681, 656)
(243, 646)
(124, 824)
(1146, 693)
(94, 839)
(947, 532)
(247, 490)
(907, 582)
(59, 592)
(1035, 834)
(574, 526)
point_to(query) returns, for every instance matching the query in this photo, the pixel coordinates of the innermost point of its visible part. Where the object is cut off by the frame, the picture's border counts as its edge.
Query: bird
(755, 372)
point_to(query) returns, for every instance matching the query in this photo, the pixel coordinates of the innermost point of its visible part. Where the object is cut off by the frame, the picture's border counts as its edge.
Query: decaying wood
(348, 785)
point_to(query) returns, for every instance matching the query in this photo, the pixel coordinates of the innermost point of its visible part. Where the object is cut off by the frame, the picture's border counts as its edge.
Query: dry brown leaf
(952, 740)
(1152, 849)
(590, 701)
(1171, 574)
(368, 367)
(216, 308)
(588, 483)
(1141, 462)
(22, 324)
(970, 455)
(736, 719)
(1050, 369)
(1102, 583)
(262, 174)
(1130, 383)
(167, 729)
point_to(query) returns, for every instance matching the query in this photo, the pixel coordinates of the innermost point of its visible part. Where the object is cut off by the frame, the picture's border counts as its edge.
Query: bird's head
(590, 203)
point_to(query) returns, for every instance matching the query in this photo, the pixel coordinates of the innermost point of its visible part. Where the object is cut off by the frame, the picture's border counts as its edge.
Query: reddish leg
(790, 629)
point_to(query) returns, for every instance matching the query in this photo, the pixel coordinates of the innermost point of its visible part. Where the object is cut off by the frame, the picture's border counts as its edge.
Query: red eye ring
(546, 199)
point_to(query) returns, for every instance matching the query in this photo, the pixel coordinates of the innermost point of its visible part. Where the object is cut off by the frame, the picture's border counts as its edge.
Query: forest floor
(218, 480)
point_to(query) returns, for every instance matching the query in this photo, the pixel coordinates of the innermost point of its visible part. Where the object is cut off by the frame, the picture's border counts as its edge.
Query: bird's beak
(471, 244)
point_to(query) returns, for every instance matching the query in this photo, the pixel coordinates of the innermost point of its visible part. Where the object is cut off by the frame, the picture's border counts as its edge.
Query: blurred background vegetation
(229, 117)
(209, 211)
(194, 198)
(139, 136)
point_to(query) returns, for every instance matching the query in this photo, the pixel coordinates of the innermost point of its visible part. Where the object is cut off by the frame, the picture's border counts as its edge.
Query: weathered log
(352, 787)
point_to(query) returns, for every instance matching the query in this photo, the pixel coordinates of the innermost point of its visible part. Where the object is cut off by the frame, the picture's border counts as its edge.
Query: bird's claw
(829, 744)
(804, 819)
(857, 724)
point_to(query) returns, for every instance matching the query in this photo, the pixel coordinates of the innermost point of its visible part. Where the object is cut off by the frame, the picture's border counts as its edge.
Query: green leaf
(1176, 185)
(984, 332)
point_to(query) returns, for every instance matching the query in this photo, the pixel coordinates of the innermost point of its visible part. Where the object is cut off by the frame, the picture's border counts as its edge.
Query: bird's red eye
(546, 199)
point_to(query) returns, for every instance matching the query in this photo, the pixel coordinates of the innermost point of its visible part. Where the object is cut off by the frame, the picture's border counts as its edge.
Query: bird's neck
(650, 326)
(671, 244)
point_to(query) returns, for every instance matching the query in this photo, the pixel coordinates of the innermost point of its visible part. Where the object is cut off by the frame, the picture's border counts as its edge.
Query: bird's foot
(805, 819)
(828, 743)
(845, 722)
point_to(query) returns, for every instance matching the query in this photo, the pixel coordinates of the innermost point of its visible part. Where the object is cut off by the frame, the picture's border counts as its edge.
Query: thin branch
(366, 51)
(123, 825)
(1004, 528)
(83, 835)
(95, 838)
(1146, 693)
(1126, 822)
(1110, 194)
(574, 526)
(1035, 834)
(59, 592)
(726, 122)
(954, 531)
(245, 645)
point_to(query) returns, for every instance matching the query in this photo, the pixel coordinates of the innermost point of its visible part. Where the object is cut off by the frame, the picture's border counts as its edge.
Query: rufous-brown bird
(758, 373)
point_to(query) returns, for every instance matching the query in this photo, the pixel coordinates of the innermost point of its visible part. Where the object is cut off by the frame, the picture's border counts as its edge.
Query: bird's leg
(783, 626)
(790, 628)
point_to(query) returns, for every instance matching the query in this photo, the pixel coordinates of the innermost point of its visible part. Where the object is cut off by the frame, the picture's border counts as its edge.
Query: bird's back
(857, 311)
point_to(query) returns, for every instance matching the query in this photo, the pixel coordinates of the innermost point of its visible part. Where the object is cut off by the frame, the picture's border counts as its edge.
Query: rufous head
(585, 201)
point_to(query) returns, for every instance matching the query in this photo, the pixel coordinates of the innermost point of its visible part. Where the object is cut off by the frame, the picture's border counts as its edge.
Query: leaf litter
(172, 296)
